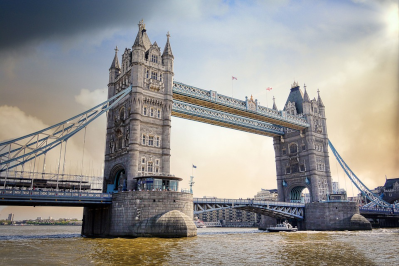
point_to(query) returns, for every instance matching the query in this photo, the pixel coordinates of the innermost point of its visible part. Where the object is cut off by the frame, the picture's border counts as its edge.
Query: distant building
(267, 194)
(38, 218)
(10, 217)
(335, 187)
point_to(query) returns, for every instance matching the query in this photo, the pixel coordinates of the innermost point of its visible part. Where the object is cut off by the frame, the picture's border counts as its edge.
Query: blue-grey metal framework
(210, 96)
(225, 119)
(376, 201)
(281, 210)
(18, 151)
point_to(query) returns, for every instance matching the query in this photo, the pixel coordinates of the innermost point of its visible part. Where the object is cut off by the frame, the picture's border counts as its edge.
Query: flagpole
(267, 103)
(232, 94)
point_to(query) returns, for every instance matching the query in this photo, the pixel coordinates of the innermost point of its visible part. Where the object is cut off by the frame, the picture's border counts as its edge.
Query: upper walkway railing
(184, 92)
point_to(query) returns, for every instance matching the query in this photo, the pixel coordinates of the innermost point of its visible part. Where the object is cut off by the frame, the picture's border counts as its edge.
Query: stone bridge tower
(302, 156)
(138, 128)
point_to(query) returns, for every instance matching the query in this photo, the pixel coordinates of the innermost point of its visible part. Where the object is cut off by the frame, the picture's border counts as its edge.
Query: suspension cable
(83, 154)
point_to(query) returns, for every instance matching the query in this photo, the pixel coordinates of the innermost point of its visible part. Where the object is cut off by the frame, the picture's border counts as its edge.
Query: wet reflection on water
(213, 246)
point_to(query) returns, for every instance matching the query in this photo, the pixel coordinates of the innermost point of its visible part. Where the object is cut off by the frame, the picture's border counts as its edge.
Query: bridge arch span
(295, 192)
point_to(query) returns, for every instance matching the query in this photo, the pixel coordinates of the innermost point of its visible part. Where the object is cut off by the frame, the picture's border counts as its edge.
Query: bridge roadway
(281, 210)
(14, 197)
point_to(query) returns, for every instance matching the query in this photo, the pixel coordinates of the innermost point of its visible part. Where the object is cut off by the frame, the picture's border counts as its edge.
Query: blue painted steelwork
(271, 208)
(218, 116)
(213, 96)
(20, 150)
(52, 198)
(375, 199)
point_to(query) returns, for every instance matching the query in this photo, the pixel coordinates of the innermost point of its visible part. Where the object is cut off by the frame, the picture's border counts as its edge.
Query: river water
(62, 245)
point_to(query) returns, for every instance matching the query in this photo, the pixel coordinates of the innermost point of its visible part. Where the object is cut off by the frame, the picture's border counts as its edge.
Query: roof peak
(115, 62)
(167, 50)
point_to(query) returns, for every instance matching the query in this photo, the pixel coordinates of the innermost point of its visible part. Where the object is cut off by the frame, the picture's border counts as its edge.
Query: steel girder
(377, 201)
(215, 117)
(20, 150)
(212, 100)
(275, 209)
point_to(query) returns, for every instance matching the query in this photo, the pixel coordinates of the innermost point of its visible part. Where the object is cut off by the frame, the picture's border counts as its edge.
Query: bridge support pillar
(334, 216)
(142, 214)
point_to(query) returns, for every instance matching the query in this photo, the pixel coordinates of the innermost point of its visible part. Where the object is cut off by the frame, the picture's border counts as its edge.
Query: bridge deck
(13, 197)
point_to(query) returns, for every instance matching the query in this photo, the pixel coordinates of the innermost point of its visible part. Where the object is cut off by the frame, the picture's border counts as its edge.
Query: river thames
(63, 245)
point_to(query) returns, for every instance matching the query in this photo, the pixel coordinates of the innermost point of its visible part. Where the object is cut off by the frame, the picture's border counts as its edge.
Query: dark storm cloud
(23, 22)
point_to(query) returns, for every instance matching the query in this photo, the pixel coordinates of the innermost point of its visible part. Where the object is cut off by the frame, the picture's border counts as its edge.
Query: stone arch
(117, 179)
(295, 193)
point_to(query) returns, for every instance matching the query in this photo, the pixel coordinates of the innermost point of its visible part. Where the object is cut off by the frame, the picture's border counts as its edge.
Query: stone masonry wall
(322, 216)
(133, 209)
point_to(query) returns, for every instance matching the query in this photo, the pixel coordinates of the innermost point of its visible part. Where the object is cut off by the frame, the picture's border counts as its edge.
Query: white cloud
(91, 98)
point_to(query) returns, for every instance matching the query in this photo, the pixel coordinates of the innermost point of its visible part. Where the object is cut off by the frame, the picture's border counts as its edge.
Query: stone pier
(142, 214)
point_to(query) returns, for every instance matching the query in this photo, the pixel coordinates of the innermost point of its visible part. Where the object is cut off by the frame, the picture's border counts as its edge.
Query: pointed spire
(319, 99)
(168, 49)
(139, 38)
(306, 96)
(274, 104)
(115, 62)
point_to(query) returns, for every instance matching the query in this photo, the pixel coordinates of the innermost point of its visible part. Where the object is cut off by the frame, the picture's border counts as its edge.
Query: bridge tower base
(334, 216)
(142, 214)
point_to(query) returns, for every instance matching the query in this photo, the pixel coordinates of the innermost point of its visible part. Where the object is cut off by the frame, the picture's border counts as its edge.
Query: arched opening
(300, 194)
(118, 179)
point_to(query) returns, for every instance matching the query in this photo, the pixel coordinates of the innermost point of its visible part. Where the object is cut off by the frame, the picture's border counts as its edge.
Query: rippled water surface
(62, 245)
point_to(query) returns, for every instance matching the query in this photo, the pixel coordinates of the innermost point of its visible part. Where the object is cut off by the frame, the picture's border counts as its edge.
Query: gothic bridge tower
(138, 128)
(302, 156)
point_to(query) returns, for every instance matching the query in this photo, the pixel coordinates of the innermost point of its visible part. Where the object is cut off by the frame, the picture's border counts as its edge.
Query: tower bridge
(142, 97)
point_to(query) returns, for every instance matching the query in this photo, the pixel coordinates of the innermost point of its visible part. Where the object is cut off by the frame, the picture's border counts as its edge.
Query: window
(151, 141)
(293, 148)
(158, 141)
(122, 114)
(287, 170)
(143, 140)
(149, 167)
(154, 75)
(145, 110)
(315, 110)
(147, 74)
(120, 142)
(143, 160)
(156, 170)
(160, 77)
(302, 168)
(156, 162)
(295, 168)
(142, 169)
(154, 58)
(303, 147)
(284, 152)
(159, 113)
(152, 112)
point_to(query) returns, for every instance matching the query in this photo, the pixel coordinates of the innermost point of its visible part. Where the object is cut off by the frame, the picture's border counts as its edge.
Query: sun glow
(392, 21)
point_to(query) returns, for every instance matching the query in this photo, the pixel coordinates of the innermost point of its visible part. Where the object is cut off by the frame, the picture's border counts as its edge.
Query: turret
(114, 72)
(167, 61)
(307, 106)
(138, 48)
(274, 104)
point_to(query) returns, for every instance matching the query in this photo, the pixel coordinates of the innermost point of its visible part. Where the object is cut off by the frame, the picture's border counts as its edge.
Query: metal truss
(212, 96)
(275, 209)
(18, 151)
(375, 199)
(210, 116)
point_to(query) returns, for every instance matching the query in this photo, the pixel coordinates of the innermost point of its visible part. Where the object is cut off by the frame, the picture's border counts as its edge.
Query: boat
(199, 224)
(283, 227)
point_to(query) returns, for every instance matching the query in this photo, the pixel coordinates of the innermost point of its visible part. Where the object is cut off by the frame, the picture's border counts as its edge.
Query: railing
(13, 193)
(246, 202)
(213, 96)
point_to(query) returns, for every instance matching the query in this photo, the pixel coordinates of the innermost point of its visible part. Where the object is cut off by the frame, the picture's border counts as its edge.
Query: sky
(55, 56)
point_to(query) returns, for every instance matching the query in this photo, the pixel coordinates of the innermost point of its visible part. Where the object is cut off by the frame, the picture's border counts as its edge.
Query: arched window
(145, 110)
(293, 148)
(122, 114)
(159, 113)
(147, 73)
(143, 142)
(152, 112)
